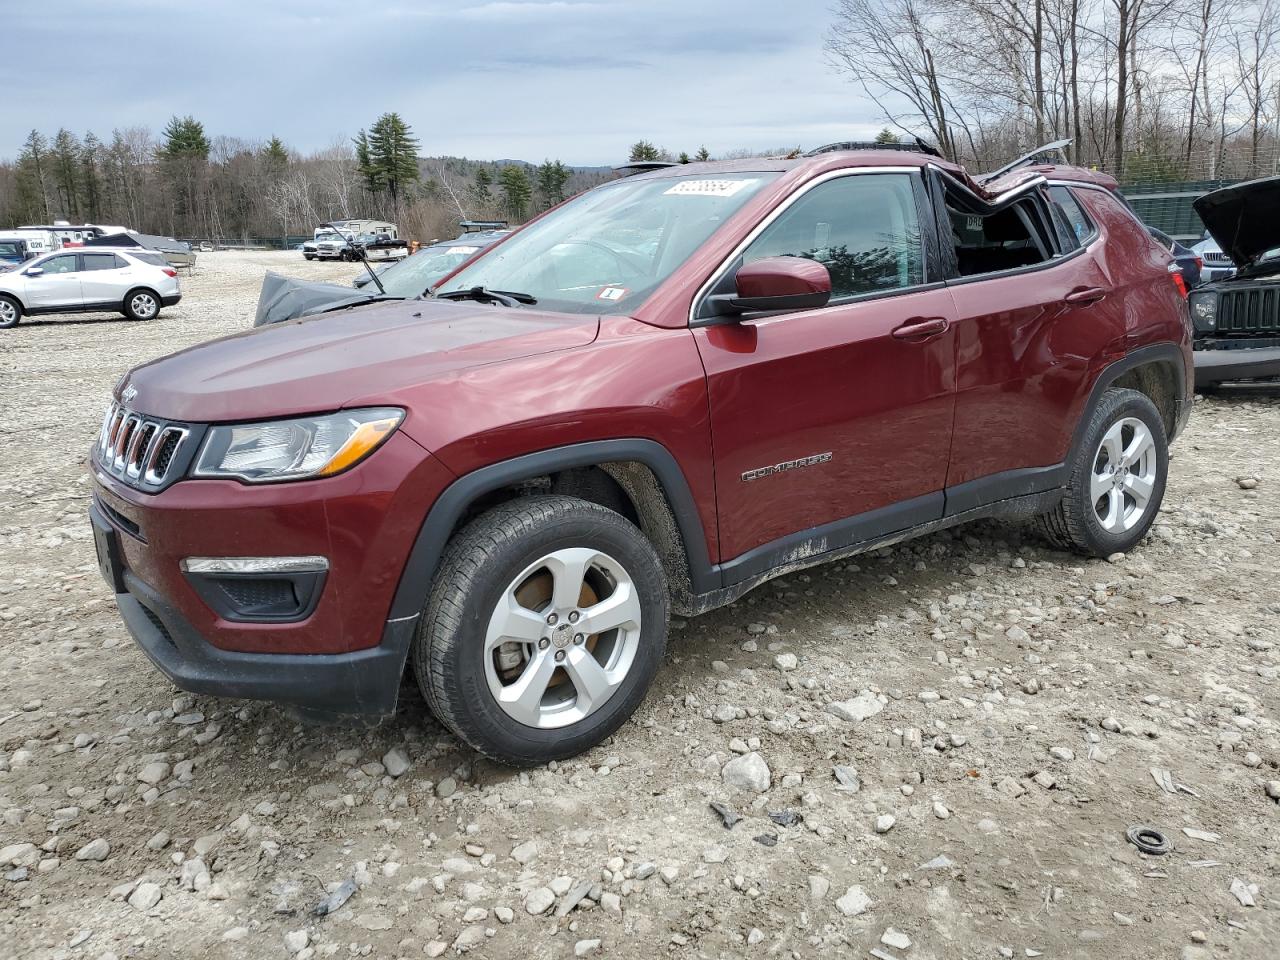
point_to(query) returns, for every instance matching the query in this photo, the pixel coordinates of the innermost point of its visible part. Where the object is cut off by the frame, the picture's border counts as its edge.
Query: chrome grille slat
(138, 450)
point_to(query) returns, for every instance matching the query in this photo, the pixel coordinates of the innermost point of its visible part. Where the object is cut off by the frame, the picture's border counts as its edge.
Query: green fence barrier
(1167, 206)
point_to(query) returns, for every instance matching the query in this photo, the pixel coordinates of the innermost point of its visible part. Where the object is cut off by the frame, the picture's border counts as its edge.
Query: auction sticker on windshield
(707, 188)
(612, 294)
(462, 250)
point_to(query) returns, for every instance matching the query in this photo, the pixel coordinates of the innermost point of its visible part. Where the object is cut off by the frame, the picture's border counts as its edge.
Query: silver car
(134, 282)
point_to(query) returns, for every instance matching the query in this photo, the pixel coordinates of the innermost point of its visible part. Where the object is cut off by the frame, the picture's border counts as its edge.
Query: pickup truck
(375, 248)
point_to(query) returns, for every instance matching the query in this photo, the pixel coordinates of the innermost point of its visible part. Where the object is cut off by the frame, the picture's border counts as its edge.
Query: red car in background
(657, 396)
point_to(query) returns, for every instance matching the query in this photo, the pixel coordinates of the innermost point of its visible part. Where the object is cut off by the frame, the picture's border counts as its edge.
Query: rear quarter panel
(1152, 310)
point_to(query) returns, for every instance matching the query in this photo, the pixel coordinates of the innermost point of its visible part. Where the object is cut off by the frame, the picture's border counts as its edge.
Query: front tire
(141, 304)
(1117, 478)
(544, 628)
(10, 312)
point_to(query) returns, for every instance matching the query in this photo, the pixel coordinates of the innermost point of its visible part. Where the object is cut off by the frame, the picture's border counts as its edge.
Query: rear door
(820, 416)
(1035, 312)
(103, 278)
(58, 284)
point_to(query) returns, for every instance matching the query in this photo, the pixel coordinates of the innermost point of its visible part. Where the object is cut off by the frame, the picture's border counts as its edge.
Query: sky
(576, 80)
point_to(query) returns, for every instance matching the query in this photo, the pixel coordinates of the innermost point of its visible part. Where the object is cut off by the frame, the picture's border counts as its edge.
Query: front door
(820, 416)
(58, 285)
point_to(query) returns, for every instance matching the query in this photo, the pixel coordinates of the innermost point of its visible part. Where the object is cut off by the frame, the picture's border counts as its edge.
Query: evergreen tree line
(186, 183)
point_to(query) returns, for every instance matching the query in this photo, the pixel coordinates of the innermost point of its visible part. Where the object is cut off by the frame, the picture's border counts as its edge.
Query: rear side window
(862, 228)
(155, 259)
(101, 261)
(1071, 210)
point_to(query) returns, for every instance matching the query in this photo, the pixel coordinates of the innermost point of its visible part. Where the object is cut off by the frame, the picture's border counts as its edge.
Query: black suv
(1237, 320)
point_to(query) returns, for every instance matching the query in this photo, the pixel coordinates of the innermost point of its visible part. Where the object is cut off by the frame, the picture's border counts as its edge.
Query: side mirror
(33, 271)
(777, 283)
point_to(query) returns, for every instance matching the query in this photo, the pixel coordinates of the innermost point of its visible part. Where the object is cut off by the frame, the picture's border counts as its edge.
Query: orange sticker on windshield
(612, 294)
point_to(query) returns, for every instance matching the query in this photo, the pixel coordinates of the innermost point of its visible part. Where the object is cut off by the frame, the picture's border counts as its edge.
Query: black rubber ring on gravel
(1148, 840)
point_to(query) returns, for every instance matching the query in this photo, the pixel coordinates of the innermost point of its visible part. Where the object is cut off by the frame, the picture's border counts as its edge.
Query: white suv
(134, 282)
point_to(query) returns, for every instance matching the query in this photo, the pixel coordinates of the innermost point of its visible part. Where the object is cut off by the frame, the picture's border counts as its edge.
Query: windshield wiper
(508, 298)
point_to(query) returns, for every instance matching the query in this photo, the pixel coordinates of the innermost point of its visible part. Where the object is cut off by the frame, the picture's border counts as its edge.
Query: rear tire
(505, 653)
(1117, 478)
(141, 304)
(10, 312)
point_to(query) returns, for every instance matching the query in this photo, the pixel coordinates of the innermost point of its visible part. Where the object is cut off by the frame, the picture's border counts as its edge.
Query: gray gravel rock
(748, 772)
(97, 849)
(855, 902)
(539, 900)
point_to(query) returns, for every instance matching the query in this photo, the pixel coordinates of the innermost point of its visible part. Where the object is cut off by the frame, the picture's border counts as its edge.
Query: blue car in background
(13, 252)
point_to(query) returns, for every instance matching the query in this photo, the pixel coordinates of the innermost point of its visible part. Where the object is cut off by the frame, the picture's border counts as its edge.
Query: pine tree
(702, 154)
(33, 180)
(184, 139)
(516, 191)
(364, 163)
(275, 158)
(552, 178)
(91, 178)
(887, 136)
(391, 156)
(184, 160)
(643, 150)
(684, 158)
(66, 173)
(479, 197)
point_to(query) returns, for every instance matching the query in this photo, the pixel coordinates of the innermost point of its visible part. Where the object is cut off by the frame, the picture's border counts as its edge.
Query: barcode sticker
(707, 188)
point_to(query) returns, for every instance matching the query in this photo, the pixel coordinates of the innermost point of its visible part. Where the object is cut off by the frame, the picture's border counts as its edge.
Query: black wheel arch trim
(451, 505)
(1169, 353)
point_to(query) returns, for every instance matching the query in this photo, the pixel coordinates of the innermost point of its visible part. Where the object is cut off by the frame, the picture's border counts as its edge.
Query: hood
(284, 298)
(1244, 219)
(322, 363)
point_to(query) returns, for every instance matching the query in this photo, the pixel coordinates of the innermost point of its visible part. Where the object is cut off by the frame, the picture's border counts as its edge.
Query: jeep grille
(1250, 311)
(139, 450)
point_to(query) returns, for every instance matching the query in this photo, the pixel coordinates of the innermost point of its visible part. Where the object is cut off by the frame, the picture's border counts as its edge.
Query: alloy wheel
(143, 305)
(1124, 475)
(8, 313)
(562, 638)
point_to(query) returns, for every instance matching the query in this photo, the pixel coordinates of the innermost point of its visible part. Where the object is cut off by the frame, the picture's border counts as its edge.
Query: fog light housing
(258, 589)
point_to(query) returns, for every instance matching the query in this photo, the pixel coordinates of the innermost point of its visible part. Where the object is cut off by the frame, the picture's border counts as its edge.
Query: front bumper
(340, 655)
(364, 683)
(1240, 363)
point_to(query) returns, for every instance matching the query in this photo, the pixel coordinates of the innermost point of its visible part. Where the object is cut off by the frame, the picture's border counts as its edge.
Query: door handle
(921, 329)
(1082, 298)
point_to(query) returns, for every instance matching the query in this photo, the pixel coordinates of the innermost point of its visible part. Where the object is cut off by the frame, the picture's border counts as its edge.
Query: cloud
(574, 79)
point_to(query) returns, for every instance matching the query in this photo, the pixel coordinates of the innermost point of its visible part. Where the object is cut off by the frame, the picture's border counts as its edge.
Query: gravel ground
(951, 736)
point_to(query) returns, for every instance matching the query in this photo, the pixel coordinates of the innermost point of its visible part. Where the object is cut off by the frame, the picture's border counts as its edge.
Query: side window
(63, 264)
(863, 228)
(1004, 240)
(1070, 208)
(100, 261)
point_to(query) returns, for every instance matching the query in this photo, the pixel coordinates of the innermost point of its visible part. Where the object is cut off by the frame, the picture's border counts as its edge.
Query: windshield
(607, 250)
(11, 248)
(412, 276)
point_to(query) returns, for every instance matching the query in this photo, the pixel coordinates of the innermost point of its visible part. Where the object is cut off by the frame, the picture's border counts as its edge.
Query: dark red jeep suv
(654, 397)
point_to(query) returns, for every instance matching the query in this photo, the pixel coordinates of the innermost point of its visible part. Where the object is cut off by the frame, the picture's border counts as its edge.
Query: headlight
(1204, 310)
(298, 449)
